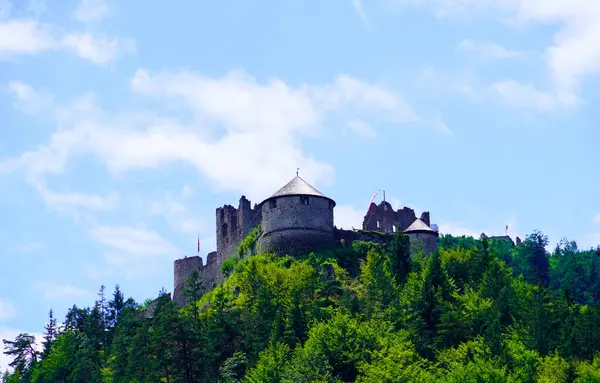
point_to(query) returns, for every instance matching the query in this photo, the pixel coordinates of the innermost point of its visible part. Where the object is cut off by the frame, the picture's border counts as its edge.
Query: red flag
(373, 198)
(506, 227)
(198, 243)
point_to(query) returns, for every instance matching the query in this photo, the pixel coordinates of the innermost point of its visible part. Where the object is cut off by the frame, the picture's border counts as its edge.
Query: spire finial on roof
(297, 170)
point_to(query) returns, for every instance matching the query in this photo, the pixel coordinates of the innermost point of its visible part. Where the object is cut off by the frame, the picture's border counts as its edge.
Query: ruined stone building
(294, 220)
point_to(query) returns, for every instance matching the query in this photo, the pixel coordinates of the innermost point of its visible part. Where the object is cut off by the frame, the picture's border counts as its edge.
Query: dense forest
(476, 310)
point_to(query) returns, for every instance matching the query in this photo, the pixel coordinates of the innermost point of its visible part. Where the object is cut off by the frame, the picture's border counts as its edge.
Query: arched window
(303, 200)
(273, 203)
(224, 229)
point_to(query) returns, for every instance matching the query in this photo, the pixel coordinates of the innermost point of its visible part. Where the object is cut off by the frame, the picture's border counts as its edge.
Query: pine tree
(23, 353)
(51, 331)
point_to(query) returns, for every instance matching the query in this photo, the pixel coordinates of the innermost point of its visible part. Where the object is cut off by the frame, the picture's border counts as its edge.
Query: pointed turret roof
(419, 226)
(297, 187)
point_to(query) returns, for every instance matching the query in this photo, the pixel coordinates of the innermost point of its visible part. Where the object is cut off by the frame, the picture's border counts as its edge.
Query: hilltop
(473, 310)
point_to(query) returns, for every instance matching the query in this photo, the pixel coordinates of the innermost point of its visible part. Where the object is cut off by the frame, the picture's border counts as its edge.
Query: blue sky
(123, 126)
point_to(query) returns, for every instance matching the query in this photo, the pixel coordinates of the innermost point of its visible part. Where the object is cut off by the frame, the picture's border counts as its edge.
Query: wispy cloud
(362, 129)
(91, 11)
(64, 292)
(519, 94)
(358, 8)
(28, 37)
(348, 217)
(573, 55)
(99, 50)
(134, 251)
(27, 99)
(488, 50)
(25, 37)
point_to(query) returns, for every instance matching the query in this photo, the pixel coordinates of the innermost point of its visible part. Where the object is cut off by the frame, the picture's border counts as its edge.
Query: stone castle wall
(233, 225)
(426, 242)
(181, 270)
(290, 226)
(384, 218)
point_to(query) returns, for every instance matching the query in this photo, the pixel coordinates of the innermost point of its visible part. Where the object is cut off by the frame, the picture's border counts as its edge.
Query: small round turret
(296, 219)
(422, 237)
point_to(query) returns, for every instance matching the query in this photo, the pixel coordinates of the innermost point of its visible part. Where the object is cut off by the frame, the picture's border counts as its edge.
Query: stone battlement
(296, 219)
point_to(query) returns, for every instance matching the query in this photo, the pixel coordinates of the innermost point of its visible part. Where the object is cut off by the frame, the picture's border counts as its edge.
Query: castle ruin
(296, 219)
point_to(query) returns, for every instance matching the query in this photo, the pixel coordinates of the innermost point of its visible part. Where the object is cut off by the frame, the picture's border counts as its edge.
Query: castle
(294, 220)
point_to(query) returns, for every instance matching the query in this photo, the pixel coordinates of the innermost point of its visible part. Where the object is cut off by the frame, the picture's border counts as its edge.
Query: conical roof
(419, 226)
(296, 187)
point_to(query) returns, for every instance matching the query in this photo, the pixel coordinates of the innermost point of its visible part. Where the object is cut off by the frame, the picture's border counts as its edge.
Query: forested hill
(474, 311)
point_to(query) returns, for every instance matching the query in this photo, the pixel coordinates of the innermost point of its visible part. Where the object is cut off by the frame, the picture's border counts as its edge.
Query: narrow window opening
(304, 200)
(273, 203)
(224, 229)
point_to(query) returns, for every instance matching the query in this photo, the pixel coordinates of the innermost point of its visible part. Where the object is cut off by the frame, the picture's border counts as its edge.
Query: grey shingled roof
(419, 225)
(297, 186)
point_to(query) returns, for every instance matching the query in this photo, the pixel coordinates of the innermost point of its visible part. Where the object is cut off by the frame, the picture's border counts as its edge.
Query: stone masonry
(233, 225)
(296, 219)
(385, 219)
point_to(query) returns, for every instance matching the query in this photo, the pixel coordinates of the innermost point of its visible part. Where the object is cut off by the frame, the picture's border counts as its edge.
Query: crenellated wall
(232, 227)
(385, 219)
(289, 224)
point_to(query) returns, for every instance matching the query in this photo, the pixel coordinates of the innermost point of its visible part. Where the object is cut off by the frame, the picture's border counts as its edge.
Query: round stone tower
(296, 219)
(422, 237)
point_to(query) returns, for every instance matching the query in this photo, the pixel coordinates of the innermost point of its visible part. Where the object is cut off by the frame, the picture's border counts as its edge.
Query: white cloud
(130, 240)
(457, 230)
(28, 37)
(362, 129)
(134, 251)
(358, 8)
(64, 293)
(91, 10)
(7, 310)
(24, 37)
(99, 50)
(436, 82)
(27, 99)
(234, 115)
(72, 202)
(575, 51)
(525, 95)
(348, 217)
(176, 215)
(487, 50)
(441, 127)
(187, 191)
